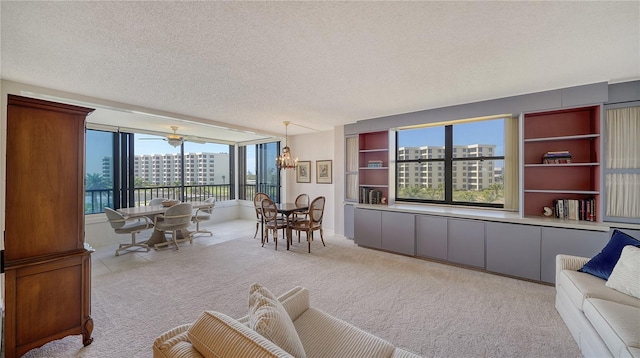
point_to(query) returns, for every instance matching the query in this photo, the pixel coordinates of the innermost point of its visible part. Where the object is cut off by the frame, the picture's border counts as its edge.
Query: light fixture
(286, 161)
(175, 139)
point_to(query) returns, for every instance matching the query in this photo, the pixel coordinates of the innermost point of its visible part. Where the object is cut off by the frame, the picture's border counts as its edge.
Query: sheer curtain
(622, 171)
(351, 191)
(511, 155)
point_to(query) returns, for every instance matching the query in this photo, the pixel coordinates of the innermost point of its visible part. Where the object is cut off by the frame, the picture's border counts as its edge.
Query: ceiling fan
(173, 139)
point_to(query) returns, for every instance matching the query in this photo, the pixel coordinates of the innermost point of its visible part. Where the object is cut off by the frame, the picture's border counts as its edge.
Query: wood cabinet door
(47, 268)
(45, 178)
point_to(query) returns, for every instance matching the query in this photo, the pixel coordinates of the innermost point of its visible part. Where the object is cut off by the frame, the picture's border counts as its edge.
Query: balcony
(96, 200)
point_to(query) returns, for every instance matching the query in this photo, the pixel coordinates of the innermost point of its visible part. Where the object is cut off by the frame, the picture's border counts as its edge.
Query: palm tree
(413, 192)
(96, 181)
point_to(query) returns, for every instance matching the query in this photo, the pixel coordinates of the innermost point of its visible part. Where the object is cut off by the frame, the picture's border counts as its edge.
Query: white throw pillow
(625, 276)
(268, 317)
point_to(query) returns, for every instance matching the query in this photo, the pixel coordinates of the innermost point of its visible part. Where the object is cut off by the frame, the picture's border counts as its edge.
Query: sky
(485, 132)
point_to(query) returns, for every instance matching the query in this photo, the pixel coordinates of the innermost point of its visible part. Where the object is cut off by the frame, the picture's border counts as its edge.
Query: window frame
(123, 191)
(448, 162)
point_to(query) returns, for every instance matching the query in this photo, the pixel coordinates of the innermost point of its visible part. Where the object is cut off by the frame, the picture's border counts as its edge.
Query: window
(258, 172)
(465, 162)
(125, 170)
(99, 178)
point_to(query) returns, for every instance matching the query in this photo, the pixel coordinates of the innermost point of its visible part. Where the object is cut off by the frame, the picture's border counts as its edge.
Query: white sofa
(217, 335)
(603, 321)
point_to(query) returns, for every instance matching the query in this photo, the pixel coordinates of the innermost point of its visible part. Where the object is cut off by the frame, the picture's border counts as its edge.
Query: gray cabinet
(349, 221)
(466, 242)
(367, 228)
(519, 250)
(513, 249)
(398, 232)
(431, 237)
(567, 241)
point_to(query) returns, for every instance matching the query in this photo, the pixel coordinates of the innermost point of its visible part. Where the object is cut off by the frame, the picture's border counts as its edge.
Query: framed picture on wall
(303, 172)
(323, 172)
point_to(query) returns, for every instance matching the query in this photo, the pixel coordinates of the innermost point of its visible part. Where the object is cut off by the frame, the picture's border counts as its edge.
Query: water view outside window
(460, 163)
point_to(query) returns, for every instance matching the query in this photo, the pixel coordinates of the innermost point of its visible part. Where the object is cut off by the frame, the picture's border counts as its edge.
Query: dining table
(150, 211)
(287, 209)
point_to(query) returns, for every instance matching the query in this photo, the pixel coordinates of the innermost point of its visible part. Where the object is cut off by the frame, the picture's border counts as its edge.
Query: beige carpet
(431, 309)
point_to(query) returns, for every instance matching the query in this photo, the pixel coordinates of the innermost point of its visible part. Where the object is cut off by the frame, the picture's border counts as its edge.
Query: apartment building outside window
(458, 162)
(121, 174)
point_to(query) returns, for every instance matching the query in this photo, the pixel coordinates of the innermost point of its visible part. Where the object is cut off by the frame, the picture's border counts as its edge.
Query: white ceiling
(254, 65)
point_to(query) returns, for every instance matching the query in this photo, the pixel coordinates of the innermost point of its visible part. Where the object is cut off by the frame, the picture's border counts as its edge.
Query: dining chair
(272, 221)
(313, 222)
(133, 226)
(176, 218)
(204, 214)
(302, 201)
(156, 201)
(257, 204)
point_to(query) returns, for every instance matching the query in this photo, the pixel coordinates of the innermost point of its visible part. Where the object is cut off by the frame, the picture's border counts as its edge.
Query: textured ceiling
(317, 64)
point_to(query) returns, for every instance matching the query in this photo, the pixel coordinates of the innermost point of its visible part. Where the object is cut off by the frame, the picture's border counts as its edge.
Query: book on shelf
(575, 209)
(374, 164)
(370, 196)
(557, 157)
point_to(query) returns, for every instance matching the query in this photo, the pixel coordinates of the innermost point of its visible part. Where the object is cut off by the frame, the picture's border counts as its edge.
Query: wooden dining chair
(272, 221)
(313, 222)
(302, 201)
(257, 204)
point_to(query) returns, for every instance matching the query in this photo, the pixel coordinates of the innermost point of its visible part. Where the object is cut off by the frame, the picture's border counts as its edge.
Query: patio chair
(123, 225)
(176, 218)
(156, 201)
(204, 214)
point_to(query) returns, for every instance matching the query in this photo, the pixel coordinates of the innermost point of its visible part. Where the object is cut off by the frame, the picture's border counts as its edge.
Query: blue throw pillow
(603, 263)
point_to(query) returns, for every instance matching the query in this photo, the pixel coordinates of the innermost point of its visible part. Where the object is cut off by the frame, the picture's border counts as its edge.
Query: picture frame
(303, 172)
(324, 172)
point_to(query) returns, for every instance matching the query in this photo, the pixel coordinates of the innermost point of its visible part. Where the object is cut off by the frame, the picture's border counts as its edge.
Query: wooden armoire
(47, 265)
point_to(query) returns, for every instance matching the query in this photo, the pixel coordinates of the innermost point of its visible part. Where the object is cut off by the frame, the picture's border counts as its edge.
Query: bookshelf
(373, 167)
(576, 131)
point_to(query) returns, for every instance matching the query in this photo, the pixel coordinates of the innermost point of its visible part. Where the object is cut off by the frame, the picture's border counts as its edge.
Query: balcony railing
(97, 199)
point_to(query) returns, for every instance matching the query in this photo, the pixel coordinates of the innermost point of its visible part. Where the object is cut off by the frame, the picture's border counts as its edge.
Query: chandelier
(286, 161)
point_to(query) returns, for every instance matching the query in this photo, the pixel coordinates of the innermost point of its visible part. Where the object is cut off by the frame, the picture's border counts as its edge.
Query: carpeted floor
(428, 308)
